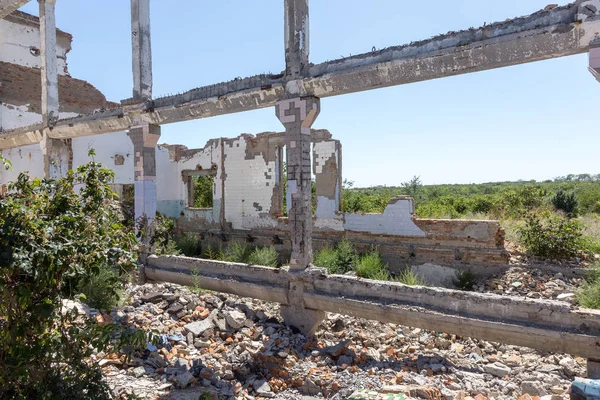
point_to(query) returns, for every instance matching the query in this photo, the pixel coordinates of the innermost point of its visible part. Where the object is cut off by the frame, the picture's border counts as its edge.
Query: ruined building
(247, 170)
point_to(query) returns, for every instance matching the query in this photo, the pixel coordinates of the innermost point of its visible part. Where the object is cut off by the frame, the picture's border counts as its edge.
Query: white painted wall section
(395, 220)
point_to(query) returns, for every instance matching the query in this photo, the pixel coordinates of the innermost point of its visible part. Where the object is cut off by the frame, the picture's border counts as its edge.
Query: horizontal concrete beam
(9, 6)
(545, 325)
(558, 32)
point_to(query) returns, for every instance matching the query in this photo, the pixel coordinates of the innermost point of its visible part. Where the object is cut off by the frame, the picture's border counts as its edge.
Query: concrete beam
(561, 31)
(141, 49)
(545, 325)
(10, 6)
(296, 34)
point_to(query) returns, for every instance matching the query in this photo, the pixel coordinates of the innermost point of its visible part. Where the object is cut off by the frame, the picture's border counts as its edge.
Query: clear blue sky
(534, 121)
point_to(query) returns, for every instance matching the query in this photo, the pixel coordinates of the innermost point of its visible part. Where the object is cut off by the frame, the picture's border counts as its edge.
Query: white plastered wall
(18, 43)
(248, 191)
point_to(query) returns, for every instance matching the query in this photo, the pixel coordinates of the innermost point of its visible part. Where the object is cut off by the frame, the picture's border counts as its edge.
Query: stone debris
(237, 348)
(532, 283)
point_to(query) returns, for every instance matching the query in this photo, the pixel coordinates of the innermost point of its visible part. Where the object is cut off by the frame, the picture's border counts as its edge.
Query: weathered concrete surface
(9, 6)
(546, 34)
(144, 138)
(298, 115)
(545, 325)
(141, 49)
(296, 37)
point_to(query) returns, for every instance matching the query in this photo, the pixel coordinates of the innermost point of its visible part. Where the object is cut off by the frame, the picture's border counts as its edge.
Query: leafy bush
(266, 256)
(464, 279)
(565, 202)
(189, 244)
(556, 237)
(53, 239)
(163, 238)
(203, 191)
(408, 277)
(102, 290)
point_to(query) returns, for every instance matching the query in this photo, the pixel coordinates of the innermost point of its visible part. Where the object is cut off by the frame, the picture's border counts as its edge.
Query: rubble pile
(533, 283)
(232, 347)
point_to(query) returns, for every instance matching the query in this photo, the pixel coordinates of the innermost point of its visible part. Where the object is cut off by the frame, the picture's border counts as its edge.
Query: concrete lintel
(141, 49)
(9, 6)
(540, 36)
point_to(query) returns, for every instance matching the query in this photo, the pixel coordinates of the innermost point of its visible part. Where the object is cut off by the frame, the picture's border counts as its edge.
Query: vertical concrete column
(296, 32)
(144, 138)
(141, 49)
(298, 115)
(57, 153)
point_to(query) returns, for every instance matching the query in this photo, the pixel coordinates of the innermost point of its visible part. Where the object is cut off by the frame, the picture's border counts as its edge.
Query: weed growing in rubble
(237, 252)
(266, 256)
(370, 266)
(408, 277)
(339, 260)
(464, 279)
(588, 295)
(189, 244)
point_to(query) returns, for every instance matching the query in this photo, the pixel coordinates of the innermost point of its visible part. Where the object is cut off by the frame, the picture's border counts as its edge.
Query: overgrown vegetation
(553, 219)
(203, 191)
(55, 240)
(553, 237)
(588, 295)
(344, 258)
(338, 260)
(408, 277)
(464, 279)
(242, 253)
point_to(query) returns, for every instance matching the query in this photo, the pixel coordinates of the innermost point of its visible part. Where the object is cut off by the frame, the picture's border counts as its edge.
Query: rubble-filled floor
(237, 348)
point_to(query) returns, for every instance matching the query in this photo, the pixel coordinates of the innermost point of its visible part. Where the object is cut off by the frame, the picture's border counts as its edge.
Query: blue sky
(534, 121)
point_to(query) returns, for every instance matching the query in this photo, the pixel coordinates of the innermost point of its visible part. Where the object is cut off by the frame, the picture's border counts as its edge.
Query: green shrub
(189, 244)
(237, 252)
(565, 202)
(408, 277)
(203, 191)
(163, 237)
(54, 239)
(266, 256)
(339, 260)
(556, 237)
(327, 258)
(370, 266)
(588, 295)
(464, 279)
(102, 290)
(213, 253)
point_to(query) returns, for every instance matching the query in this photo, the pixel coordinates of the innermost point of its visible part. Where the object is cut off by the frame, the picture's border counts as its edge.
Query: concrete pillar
(298, 115)
(144, 138)
(296, 33)
(49, 65)
(57, 153)
(141, 49)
